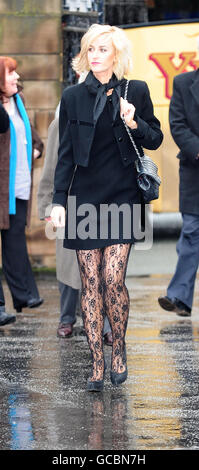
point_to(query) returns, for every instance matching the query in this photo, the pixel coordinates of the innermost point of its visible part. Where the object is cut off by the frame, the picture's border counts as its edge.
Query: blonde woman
(96, 162)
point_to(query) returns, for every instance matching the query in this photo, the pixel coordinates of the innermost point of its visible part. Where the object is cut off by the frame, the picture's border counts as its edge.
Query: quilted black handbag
(147, 171)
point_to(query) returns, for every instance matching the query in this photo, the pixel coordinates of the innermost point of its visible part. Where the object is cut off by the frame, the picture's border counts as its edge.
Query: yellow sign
(159, 53)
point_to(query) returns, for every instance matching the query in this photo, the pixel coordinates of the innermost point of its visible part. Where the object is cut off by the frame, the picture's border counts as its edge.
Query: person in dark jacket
(19, 146)
(5, 317)
(95, 172)
(4, 120)
(184, 116)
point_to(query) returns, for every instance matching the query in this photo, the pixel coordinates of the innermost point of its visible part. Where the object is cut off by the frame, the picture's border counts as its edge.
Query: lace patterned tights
(104, 292)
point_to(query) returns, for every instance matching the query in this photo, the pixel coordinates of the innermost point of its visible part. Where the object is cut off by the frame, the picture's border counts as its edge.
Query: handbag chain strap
(127, 128)
(143, 164)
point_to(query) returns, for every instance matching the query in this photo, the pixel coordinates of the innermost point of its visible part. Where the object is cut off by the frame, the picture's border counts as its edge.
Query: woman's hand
(36, 153)
(57, 216)
(127, 111)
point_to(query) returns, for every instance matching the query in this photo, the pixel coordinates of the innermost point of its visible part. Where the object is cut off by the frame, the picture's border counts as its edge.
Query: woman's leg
(92, 306)
(116, 297)
(15, 261)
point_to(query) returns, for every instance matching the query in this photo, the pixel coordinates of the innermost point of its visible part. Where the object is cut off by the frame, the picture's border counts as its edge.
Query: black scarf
(100, 90)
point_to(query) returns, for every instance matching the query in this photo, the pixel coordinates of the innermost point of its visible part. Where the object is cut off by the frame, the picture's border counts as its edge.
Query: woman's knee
(111, 282)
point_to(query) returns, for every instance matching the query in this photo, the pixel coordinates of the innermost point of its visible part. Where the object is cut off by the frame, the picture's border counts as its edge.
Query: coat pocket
(82, 134)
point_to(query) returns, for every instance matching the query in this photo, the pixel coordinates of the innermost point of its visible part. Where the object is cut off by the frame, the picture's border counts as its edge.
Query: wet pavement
(43, 401)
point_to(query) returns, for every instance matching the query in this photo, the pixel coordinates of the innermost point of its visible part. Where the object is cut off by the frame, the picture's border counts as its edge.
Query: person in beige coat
(67, 270)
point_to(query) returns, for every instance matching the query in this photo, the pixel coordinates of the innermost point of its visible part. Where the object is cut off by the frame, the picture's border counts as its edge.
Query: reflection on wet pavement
(43, 400)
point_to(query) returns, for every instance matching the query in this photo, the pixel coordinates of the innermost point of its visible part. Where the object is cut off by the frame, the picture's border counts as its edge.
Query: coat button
(120, 139)
(125, 159)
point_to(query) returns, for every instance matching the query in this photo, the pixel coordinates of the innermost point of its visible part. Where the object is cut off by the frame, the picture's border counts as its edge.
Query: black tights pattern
(102, 274)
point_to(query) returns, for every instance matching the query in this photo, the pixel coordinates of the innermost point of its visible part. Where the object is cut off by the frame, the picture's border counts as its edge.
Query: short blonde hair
(123, 61)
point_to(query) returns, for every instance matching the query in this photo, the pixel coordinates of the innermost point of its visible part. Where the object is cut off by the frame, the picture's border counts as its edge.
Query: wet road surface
(43, 401)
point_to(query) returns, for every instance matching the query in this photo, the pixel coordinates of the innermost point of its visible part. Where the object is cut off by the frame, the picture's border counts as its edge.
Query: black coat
(184, 124)
(4, 119)
(77, 130)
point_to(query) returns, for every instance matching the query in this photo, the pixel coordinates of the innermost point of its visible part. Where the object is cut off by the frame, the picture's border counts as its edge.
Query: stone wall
(30, 31)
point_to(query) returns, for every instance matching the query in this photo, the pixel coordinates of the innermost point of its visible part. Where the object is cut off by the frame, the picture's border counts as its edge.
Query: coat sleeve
(184, 137)
(4, 120)
(148, 133)
(45, 189)
(36, 141)
(65, 166)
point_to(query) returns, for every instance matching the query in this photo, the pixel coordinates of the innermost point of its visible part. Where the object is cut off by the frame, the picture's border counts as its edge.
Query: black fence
(78, 15)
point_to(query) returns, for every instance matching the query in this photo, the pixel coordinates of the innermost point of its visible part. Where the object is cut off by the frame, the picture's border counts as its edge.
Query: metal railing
(83, 5)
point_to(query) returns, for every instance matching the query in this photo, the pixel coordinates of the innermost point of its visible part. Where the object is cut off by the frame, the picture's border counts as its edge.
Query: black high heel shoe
(118, 378)
(31, 303)
(96, 385)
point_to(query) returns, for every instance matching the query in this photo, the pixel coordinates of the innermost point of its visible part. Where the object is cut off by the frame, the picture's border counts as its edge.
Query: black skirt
(102, 196)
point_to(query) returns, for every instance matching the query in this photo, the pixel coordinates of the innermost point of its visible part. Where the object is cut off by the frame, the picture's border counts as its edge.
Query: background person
(96, 154)
(5, 318)
(183, 117)
(67, 269)
(19, 146)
